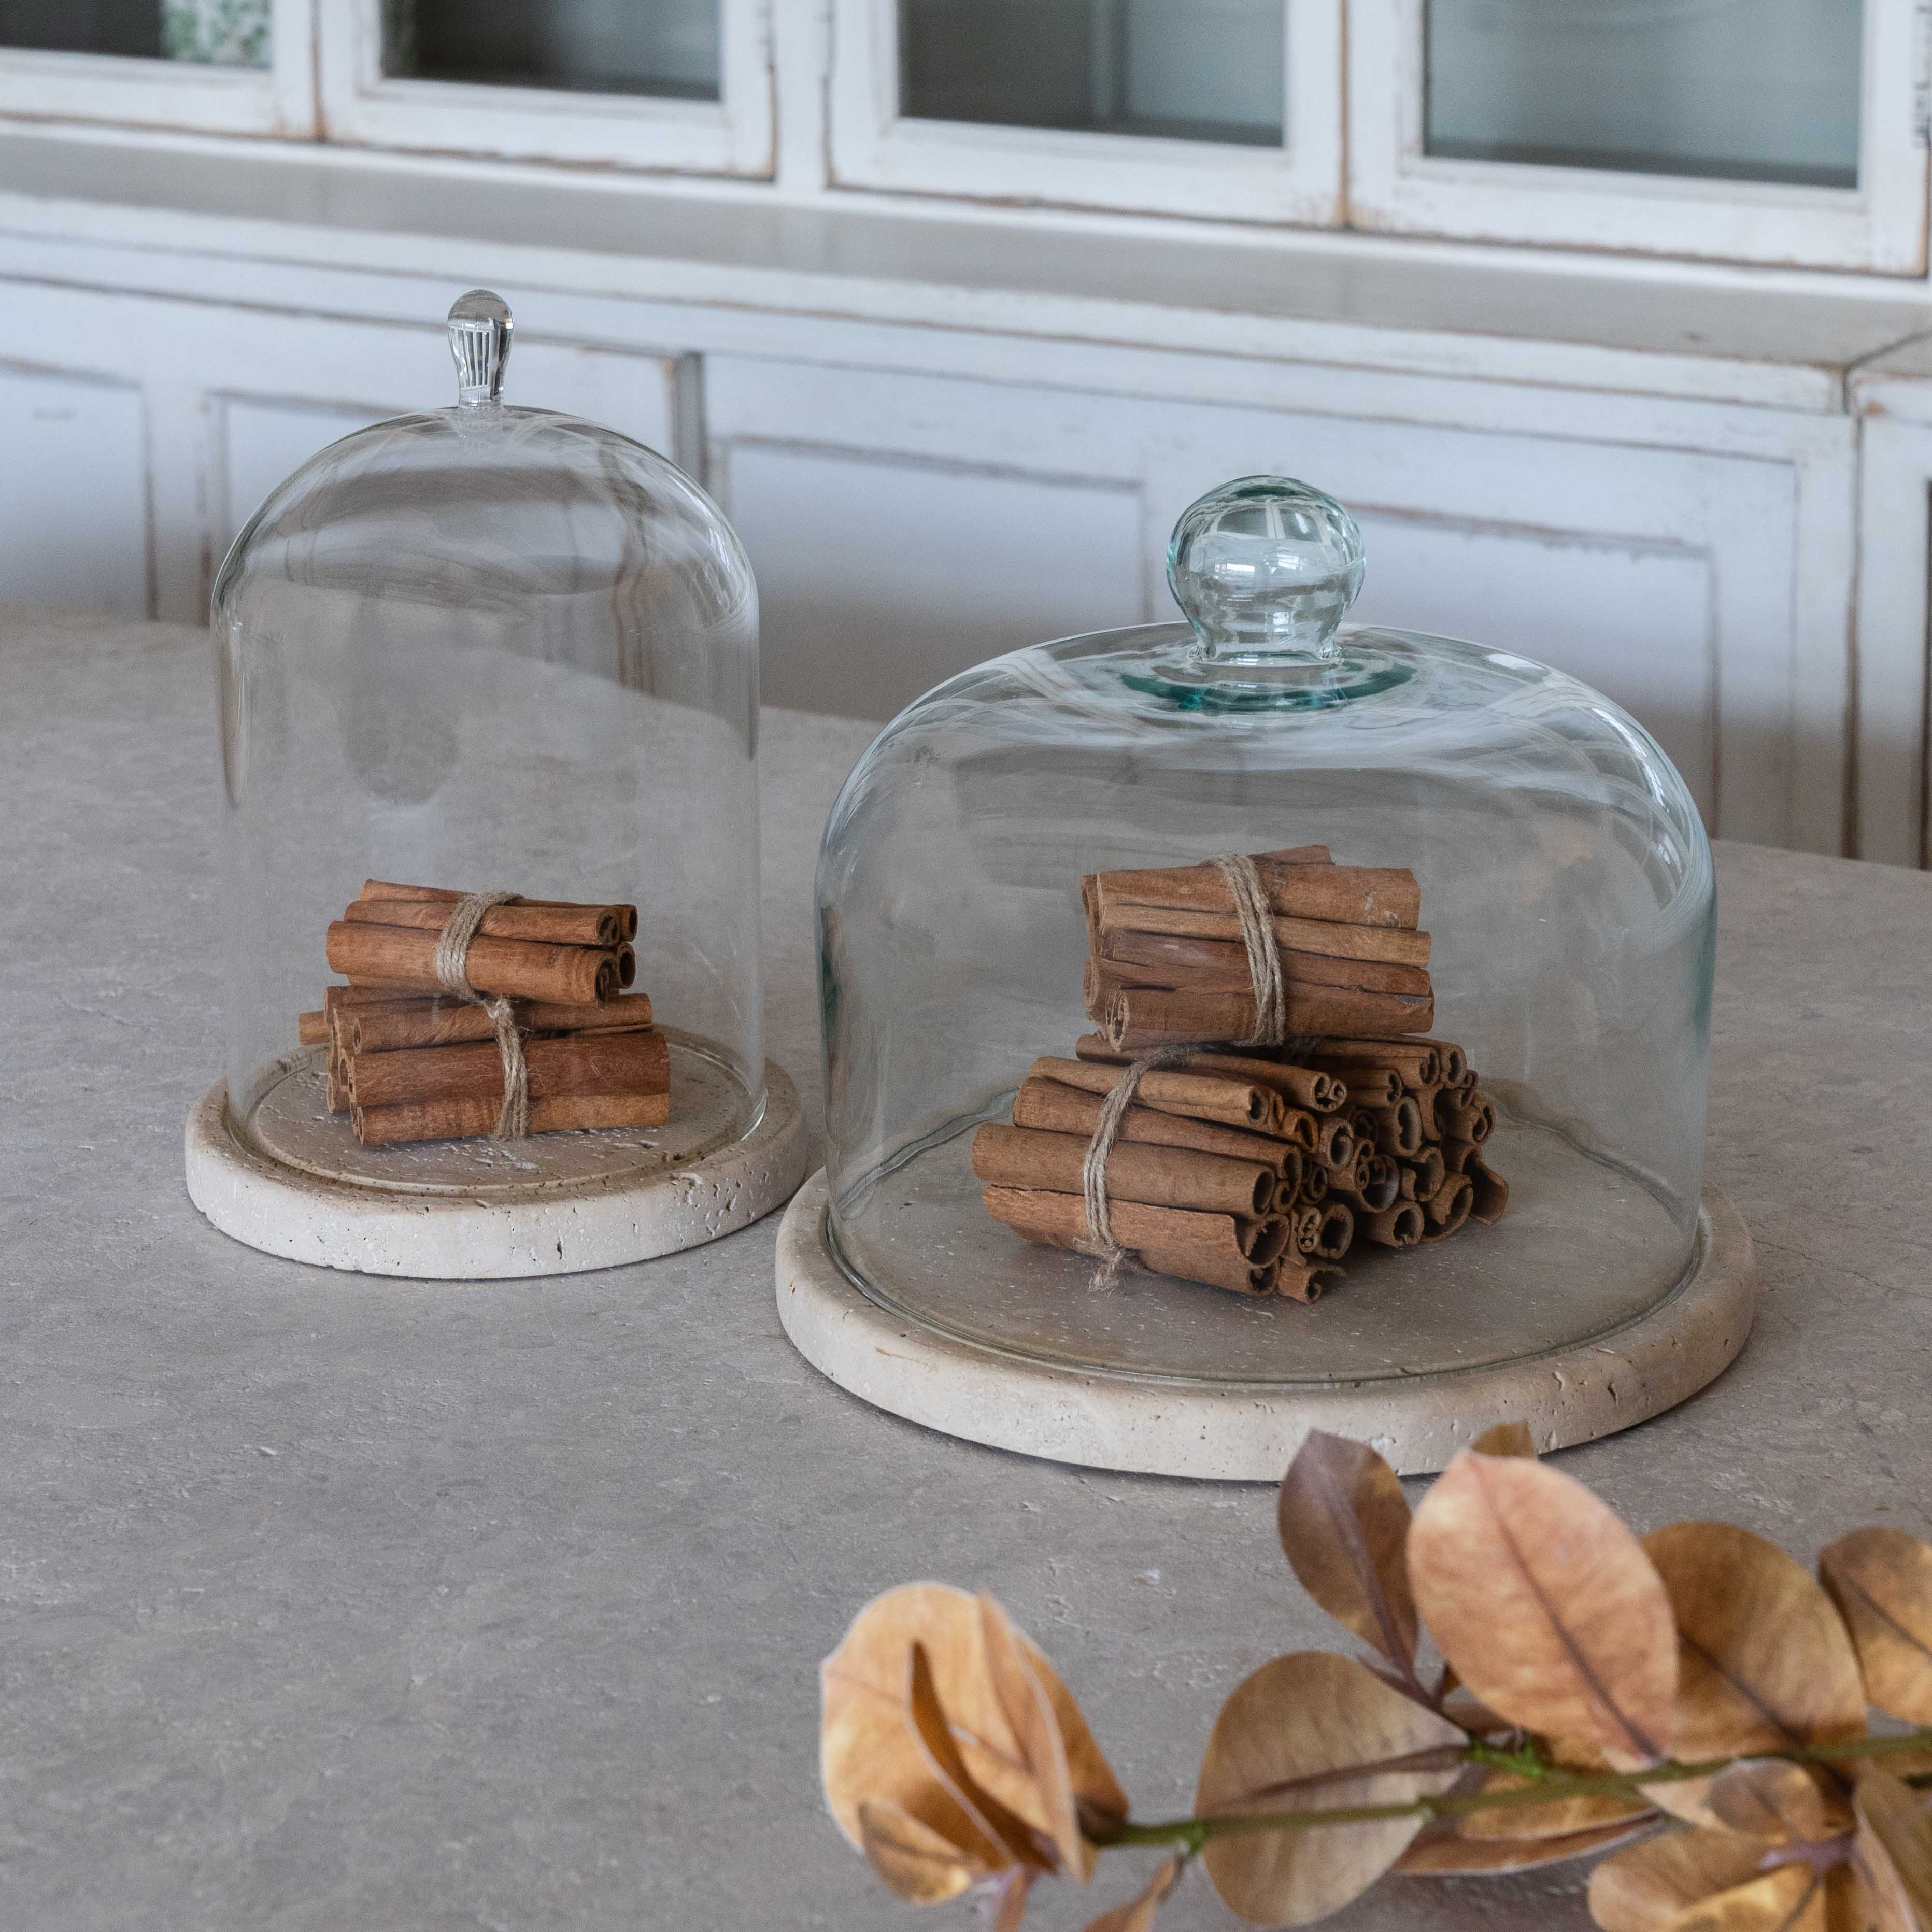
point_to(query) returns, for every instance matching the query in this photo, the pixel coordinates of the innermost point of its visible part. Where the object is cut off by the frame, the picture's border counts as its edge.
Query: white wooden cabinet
(903, 527)
(1893, 398)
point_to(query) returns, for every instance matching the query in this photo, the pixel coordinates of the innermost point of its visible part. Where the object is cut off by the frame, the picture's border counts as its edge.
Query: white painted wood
(173, 94)
(734, 135)
(1685, 581)
(879, 577)
(73, 512)
(874, 145)
(1393, 185)
(228, 392)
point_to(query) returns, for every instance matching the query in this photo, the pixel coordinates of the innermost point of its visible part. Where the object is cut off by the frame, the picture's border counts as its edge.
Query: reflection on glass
(1190, 70)
(218, 33)
(1733, 90)
(663, 47)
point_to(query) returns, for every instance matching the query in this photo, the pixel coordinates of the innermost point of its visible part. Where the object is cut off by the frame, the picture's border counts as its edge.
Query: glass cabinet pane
(1738, 90)
(663, 47)
(1189, 70)
(221, 33)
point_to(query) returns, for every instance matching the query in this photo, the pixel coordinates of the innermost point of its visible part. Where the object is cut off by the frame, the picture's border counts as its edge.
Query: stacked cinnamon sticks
(1252, 1168)
(1248, 1170)
(1166, 962)
(410, 1061)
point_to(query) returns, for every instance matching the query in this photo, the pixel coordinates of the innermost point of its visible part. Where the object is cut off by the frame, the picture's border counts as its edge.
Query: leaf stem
(1192, 1833)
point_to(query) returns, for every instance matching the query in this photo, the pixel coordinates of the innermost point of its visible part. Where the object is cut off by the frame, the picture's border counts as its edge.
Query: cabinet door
(1226, 109)
(683, 85)
(1779, 131)
(181, 416)
(221, 67)
(903, 526)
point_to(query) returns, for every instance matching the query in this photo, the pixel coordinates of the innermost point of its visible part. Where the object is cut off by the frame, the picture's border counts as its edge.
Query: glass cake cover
(501, 649)
(1564, 884)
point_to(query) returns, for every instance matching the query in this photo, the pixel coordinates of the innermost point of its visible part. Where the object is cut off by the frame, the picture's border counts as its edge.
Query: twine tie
(452, 972)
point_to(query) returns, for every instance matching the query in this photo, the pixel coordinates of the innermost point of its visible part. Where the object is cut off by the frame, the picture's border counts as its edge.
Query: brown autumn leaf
(1015, 1841)
(1779, 1802)
(1642, 1889)
(1309, 1731)
(1893, 1853)
(868, 1748)
(1029, 1713)
(1881, 1580)
(1137, 1914)
(1506, 1439)
(919, 1865)
(1448, 1855)
(1546, 1605)
(1788, 1899)
(1559, 1818)
(1344, 1521)
(1763, 1660)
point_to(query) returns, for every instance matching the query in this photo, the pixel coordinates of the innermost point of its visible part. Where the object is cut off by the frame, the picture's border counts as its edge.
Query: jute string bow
(452, 972)
(1251, 908)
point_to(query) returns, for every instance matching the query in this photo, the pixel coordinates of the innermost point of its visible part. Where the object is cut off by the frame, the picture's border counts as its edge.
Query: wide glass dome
(1563, 907)
(490, 648)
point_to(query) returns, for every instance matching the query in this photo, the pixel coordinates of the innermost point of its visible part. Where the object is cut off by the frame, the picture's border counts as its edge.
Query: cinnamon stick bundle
(1161, 1177)
(577, 1066)
(1219, 1250)
(403, 957)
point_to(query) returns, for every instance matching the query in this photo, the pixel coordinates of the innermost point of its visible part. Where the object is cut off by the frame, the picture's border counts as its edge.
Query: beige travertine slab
(328, 1600)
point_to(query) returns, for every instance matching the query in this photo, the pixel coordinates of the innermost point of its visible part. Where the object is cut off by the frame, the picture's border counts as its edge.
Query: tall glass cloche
(490, 650)
(1403, 947)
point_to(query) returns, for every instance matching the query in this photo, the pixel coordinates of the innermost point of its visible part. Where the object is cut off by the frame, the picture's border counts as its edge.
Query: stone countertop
(327, 1601)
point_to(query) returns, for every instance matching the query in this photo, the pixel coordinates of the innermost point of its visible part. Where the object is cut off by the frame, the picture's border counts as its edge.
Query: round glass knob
(479, 340)
(1266, 567)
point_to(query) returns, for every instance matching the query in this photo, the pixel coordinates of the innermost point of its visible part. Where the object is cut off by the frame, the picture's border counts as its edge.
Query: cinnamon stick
(1472, 1120)
(398, 956)
(1337, 1230)
(1416, 1061)
(1160, 1177)
(1390, 945)
(388, 889)
(552, 925)
(1455, 1061)
(1456, 1155)
(386, 1029)
(312, 1029)
(1335, 1145)
(1217, 1249)
(1400, 1226)
(1423, 1178)
(1057, 1109)
(1314, 1184)
(469, 1119)
(1198, 1096)
(1375, 1185)
(1397, 1129)
(1346, 895)
(1448, 1208)
(1304, 1230)
(576, 1064)
(1298, 1279)
(1304, 1086)
(1489, 1199)
(1219, 965)
(1138, 1018)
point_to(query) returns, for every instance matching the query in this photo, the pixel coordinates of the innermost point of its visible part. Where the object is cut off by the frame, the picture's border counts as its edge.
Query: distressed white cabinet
(1893, 398)
(905, 526)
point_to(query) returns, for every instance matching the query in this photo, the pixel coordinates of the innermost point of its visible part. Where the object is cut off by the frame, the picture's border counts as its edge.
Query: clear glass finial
(479, 340)
(1266, 566)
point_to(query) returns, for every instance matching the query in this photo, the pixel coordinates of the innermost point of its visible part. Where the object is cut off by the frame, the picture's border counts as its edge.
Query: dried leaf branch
(1594, 1687)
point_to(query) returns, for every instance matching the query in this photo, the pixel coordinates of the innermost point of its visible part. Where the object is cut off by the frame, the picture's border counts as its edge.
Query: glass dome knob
(479, 340)
(1266, 567)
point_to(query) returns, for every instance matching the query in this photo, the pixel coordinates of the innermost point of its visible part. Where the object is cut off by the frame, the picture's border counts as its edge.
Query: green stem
(1194, 1832)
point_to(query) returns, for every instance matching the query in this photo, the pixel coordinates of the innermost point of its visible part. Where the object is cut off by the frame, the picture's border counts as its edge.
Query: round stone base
(551, 1227)
(1168, 1427)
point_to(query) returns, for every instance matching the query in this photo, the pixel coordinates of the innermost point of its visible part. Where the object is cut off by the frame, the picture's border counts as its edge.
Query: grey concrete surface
(328, 1601)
